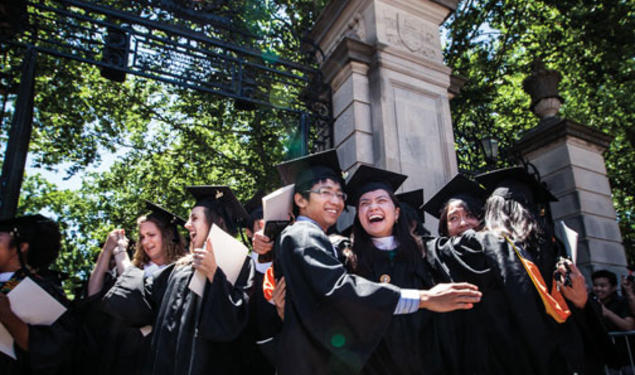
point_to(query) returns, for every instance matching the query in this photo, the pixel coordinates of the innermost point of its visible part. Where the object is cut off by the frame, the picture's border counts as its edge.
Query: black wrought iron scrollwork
(188, 43)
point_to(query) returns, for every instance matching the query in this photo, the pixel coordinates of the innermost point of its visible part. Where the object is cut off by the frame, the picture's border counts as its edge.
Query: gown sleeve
(51, 347)
(134, 298)
(224, 309)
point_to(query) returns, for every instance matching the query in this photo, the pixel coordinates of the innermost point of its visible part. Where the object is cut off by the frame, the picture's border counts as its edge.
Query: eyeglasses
(327, 194)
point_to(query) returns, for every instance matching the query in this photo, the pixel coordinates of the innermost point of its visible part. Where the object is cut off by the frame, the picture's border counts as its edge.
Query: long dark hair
(410, 244)
(472, 205)
(507, 217)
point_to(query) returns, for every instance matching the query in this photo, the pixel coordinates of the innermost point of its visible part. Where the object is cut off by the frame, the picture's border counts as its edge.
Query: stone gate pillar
(390, 86)
(569, 158)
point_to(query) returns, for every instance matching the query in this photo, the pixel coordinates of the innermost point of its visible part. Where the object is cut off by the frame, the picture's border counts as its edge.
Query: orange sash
(554, 302)
(268, 284)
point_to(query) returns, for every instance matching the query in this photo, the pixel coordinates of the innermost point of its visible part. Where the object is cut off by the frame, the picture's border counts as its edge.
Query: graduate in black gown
(333, 320)
(256, 342)
(525, 326)
(191, 334)
(390, 250)
(108, 345)
(458, 205)
(28, 245)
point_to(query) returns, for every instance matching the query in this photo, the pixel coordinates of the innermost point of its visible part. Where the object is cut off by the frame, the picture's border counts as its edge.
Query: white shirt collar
(385, 243)
(260, 267)
(6, 276)
(151, 267)
(306, 218)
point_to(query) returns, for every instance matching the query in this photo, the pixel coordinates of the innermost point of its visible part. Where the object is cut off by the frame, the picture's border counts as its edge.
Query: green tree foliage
(161, 137)
(591, 43)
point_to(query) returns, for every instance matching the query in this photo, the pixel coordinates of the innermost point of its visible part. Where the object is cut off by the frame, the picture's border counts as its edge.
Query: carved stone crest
(410, 33)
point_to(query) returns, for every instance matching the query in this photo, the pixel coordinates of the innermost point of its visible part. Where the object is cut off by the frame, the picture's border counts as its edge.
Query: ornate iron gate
(188, 43)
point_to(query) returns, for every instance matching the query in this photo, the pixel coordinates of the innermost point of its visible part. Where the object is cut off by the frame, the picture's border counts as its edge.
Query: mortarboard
(458, 187)
(220, 198)
(253, 207)
(42, 234)
(16, 225)
(517, 184)
(412, 198)
(255, 202)
(367, 178)
(163, 214)
(301, 171)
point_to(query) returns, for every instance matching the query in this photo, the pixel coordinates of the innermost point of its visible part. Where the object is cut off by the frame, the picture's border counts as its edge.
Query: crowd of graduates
(493, 293)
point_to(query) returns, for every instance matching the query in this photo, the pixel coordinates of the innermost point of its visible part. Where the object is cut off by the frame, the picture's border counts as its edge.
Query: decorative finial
(542, 86)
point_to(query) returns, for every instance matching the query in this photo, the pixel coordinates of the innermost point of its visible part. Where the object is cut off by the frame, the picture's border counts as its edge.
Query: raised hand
(204, 260)
(577, 292)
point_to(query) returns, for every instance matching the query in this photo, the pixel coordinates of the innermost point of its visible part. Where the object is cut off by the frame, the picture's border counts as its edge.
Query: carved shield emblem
(410, 32)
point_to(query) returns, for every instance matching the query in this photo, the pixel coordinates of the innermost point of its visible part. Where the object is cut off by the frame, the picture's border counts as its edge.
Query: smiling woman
(389, 251)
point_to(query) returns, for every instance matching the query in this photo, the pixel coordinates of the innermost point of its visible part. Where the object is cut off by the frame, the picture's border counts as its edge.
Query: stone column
(390, 87)
(569, 158)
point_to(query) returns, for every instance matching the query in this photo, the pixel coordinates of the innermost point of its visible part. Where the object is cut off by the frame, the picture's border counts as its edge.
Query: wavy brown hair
(172, 242)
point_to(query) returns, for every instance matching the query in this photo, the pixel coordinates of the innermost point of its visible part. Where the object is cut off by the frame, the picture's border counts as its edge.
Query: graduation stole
(17, 277)
(268, 284)
(554, 302)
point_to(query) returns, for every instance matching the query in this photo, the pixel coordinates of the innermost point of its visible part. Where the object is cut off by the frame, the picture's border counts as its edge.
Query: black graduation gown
(258, 359)
(107, 345)
(509, 330)
(50, 347)
(191, 335)
(419, 343)
(333, 320)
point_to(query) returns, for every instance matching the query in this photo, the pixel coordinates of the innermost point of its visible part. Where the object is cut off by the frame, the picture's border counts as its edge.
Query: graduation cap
(302, 171)
(41, 233)
(254, 203)
(412, 209)
(221, 199)
(459, 187)
(367, 178)
(163, 214)
(517, 184)
(412, 198)
(254, 208)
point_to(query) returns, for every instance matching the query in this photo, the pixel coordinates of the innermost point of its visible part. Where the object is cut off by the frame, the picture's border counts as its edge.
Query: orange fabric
(554, 302)
(268, 284)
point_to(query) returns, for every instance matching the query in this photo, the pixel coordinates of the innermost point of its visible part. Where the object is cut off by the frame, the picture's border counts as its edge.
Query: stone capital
(554, 129)
(348, 50)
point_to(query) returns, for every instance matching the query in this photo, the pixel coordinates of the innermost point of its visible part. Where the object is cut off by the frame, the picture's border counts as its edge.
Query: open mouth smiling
(375, 218)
